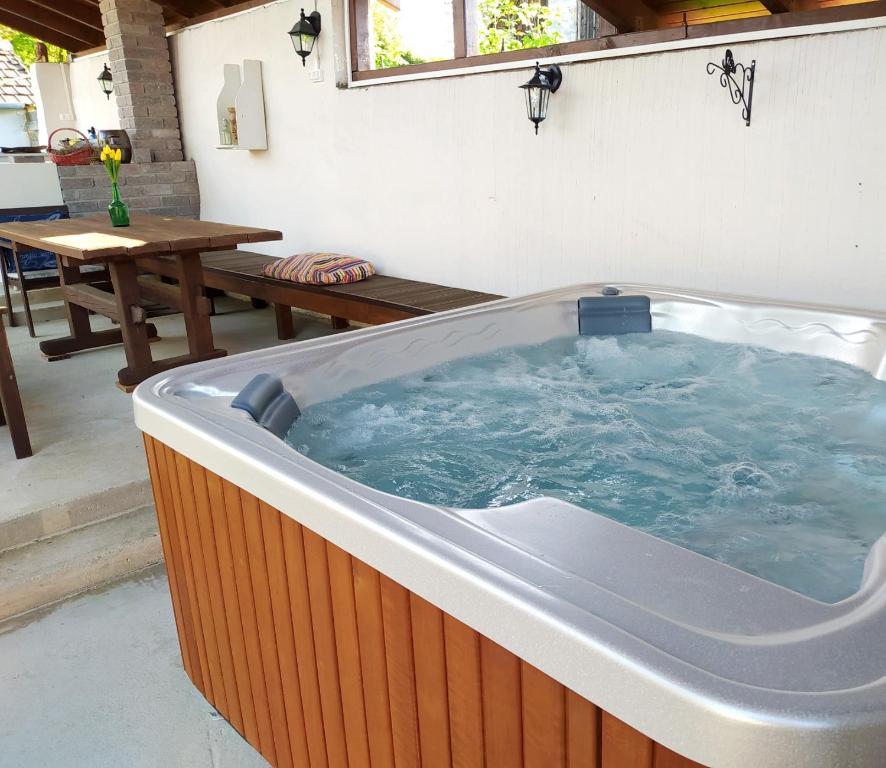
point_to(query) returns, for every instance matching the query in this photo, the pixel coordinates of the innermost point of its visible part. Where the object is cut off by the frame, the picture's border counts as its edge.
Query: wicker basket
(80, 153)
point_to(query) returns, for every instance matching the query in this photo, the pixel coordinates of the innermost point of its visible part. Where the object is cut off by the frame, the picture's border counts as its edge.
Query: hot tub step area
(34, 525)
(318, 659)
(44, 572)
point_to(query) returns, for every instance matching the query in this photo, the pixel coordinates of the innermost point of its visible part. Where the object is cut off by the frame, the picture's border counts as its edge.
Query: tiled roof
(15, 83)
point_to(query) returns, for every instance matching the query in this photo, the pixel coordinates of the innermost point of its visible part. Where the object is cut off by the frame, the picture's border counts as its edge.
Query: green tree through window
(511, 25)
(25, 46)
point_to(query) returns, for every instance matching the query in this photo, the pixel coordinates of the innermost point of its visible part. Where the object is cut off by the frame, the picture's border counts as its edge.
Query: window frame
(359, 39)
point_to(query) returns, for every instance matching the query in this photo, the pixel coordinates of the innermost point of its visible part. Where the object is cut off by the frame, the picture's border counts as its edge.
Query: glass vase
(118, 210)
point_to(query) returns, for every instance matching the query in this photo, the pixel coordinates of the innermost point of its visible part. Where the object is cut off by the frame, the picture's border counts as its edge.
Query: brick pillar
(143, 83)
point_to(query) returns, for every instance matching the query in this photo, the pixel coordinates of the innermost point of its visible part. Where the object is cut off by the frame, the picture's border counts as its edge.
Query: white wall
(91, 107)
(12, 127)
(51, 84)
(69, 96)
(644, 170)
(26, 185)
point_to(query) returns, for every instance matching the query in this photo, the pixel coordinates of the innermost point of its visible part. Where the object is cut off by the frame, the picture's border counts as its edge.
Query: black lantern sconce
(304, 34)
(541, 85)
(738, 80)
(106, 81)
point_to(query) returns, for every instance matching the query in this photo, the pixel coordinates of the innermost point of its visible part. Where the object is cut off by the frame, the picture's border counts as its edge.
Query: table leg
(194, 305)
(11, 401)
(139, 364)
(82, 336)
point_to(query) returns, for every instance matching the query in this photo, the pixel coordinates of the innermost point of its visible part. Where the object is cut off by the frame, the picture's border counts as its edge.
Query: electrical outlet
(316, 75)
(66, 117)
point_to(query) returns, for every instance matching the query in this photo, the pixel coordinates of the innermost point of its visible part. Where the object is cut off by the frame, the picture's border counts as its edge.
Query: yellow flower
(105, 152)
(118, 154)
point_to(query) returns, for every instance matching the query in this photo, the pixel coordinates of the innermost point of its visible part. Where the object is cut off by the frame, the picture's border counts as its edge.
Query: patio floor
(97, 681)
(88, 458)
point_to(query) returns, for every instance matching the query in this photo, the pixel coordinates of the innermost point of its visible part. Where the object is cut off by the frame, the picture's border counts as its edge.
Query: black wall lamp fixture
(541, 85)
(106, 81)
(304, 34)
(739, 80)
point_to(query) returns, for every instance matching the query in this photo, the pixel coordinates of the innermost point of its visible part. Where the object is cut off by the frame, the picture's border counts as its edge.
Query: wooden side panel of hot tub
(319, 660)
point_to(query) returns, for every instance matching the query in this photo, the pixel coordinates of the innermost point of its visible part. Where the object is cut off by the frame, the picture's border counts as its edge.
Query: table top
(93, 238)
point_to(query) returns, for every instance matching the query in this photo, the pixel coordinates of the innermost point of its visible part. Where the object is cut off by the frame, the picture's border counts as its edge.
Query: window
(388, 34)
(513, 25)
(393, 37)
(410, 32)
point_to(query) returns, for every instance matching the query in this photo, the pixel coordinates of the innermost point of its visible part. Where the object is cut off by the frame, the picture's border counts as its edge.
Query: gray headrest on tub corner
(609, 315)
(265, 399)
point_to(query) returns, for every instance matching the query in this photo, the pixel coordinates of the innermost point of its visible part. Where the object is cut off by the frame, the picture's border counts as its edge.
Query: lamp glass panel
(537, 103)
(307, 42)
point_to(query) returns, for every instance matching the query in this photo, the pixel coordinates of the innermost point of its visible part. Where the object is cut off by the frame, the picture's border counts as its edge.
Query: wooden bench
(380, 299)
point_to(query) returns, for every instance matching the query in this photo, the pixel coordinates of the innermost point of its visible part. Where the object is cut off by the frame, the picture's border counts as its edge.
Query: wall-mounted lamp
(739, 80)
(106, 81)
(304, 34)
(541, 85)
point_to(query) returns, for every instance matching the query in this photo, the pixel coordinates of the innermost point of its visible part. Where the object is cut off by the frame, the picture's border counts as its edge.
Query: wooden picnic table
(127, 251)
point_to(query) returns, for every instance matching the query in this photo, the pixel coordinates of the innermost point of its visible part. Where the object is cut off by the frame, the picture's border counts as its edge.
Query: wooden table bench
(174, 243)
(380, 299)
(11, 411)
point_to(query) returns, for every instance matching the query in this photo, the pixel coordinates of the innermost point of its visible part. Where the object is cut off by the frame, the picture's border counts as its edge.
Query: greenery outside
(511, 25)
(25, 46)
(505, 25)
(389, 51)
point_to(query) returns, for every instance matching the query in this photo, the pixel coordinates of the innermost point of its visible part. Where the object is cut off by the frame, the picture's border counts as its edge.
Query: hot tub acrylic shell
(671, 650)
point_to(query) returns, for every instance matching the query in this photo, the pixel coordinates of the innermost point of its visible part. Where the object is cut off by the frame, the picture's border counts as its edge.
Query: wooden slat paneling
(234, 514)
(429, 659)
(231, 710)
(234, 622)
(323, 627)
(502, 705)
(320, 661)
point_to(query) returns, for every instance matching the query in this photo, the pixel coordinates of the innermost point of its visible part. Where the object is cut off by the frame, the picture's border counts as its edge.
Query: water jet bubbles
(770, 462)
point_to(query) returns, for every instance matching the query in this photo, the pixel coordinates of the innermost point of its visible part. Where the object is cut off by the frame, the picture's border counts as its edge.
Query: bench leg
(24, 289)
(338, 323)
(6, 289)
(285, 329)
(11, 401)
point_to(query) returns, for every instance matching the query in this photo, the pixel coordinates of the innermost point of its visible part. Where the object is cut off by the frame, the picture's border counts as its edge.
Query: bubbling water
(773, 463)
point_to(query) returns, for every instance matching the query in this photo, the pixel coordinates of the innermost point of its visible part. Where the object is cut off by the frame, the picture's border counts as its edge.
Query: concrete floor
(97, 682)
(89, 460)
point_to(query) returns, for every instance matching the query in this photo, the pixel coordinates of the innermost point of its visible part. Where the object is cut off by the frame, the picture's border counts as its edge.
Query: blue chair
(28, 267)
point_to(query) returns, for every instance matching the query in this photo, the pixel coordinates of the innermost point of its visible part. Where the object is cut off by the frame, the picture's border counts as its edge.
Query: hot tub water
(772, 463)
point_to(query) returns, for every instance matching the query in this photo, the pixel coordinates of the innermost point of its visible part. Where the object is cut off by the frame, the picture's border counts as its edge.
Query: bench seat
(378, 299)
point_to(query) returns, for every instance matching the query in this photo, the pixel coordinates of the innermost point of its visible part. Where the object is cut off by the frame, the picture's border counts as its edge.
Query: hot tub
(332, 623)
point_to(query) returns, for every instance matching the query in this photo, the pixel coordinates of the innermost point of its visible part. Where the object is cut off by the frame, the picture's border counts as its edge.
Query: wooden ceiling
(76, 25)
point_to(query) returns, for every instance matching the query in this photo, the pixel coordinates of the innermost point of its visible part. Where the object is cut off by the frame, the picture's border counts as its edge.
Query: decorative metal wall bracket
(738, 80)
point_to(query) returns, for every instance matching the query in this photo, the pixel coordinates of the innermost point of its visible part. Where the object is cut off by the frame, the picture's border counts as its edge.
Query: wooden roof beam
(191, 8)
(54, 21)
(40, 32)
(626, 15)
(790, 6)
(79, 10)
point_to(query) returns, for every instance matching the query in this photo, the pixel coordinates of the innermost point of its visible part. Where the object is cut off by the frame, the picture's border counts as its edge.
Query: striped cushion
(319, 268)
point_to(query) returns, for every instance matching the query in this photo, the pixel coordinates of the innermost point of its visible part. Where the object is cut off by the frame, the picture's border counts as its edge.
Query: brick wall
(163, 188)
(158, 180)
(139, 55)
